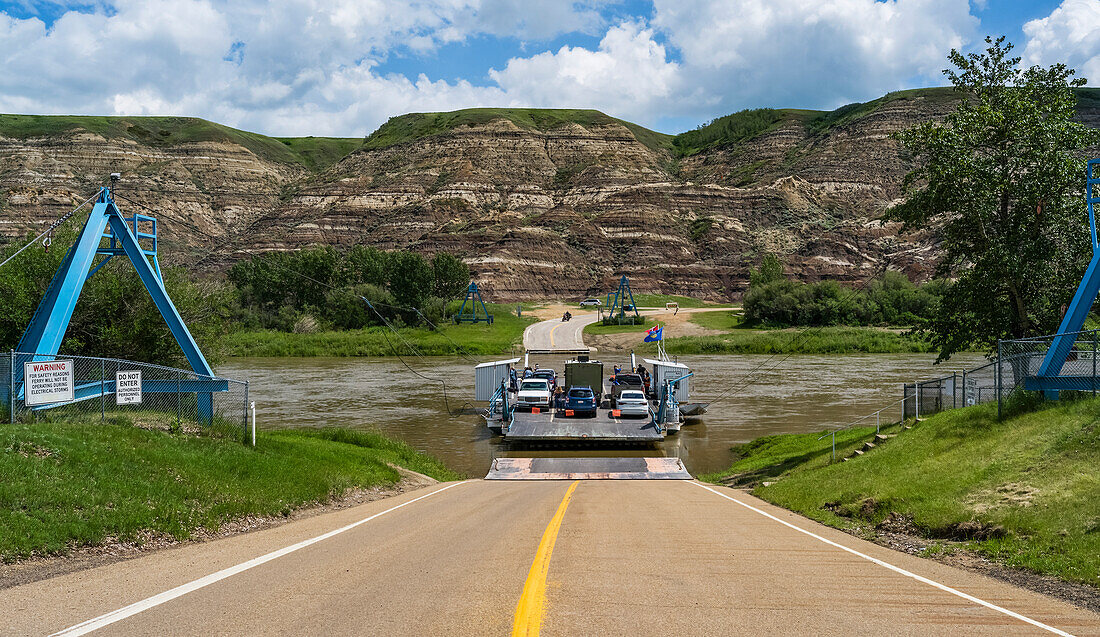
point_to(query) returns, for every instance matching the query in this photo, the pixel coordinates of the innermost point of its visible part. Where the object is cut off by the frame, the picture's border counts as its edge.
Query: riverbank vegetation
(1019, 491)
(478, 339)
(71, 484)
(824, 340)
(889, 300)
(310, 302)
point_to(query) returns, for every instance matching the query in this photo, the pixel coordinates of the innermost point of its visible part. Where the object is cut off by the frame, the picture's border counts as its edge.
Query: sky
(343, 67)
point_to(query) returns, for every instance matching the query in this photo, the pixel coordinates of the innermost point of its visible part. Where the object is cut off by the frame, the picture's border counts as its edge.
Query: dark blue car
(581, 400)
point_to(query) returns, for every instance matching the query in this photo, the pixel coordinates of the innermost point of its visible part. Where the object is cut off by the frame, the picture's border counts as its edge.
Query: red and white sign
(48, 382)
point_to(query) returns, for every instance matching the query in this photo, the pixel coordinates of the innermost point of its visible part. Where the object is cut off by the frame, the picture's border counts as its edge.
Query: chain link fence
(1018, 368)
(36, 386)
(960, 389)
(1071, 370)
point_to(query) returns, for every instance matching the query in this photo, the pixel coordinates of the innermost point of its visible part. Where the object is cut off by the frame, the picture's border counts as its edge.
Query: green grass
(72, 484)
(737, 127)
(476, 339)
(826, 340)
(318, 153)
(598, 328)
(769, 457)
(724, 321)
(412, 126)
(314, 153)
(1029, 481)
(659, 300)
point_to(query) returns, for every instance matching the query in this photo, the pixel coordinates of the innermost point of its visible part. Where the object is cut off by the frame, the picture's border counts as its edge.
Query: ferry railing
(653, 419)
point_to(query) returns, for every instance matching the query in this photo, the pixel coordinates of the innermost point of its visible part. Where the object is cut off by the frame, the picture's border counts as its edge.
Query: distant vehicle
(591, 303)
(622, 382)
(632, 402)
(534, 392)
(581, 400)
(547, 374)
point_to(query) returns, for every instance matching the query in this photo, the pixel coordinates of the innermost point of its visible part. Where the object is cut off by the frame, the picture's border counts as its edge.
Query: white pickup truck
(533, 392)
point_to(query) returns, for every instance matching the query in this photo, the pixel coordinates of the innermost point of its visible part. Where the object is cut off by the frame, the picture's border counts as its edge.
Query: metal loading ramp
(587, 469)
(549, 427)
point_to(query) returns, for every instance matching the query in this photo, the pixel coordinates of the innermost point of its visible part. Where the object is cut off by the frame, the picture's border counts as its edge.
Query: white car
(591, 303)
(533, 392)
(632, 402)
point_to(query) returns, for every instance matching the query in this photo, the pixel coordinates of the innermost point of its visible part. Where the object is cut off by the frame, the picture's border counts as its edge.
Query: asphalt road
(566, 558)
(556, 334)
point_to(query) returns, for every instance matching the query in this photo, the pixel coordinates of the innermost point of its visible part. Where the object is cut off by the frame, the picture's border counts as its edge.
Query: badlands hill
(540, 203)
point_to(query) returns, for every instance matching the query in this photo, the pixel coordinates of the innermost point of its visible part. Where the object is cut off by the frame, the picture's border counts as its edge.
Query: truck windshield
(533, 386)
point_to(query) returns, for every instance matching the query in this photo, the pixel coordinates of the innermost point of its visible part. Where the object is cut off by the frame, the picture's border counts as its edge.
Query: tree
(999, 181)
(410, 278)
(452, 276)
(771, 269)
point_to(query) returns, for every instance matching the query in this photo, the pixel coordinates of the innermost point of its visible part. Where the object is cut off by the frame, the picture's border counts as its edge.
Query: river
(800, 394)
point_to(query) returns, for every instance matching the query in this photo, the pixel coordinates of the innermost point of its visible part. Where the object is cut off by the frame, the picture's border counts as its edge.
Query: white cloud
(627, 75)
(812, 54)
(288, 67)
(1070, 34)
(296, 67)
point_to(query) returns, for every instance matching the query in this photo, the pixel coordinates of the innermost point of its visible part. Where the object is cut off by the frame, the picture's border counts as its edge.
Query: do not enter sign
(128, 387)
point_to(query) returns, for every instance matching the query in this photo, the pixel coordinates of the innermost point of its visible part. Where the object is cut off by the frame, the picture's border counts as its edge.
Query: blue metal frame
(620, 298)
(473, 296)
(47, 328)
(1082, 302)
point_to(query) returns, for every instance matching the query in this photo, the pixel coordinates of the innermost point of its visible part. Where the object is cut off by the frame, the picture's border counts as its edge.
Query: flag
(653, 334)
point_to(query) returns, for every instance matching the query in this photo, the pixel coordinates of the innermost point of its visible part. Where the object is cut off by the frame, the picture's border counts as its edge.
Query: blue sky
(342, 67)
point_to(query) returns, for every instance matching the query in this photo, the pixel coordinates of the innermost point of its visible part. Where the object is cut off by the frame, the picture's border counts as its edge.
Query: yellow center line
(552, 330)
(532, 602)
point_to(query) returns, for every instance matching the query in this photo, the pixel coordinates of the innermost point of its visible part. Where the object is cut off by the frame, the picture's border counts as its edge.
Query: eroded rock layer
(537, 213)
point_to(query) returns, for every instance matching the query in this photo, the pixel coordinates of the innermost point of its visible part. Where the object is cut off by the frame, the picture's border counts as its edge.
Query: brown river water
(800, 394)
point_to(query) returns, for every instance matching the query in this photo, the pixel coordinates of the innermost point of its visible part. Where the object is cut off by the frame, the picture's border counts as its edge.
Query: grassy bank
(599, 328)
(659, 300)
(825, 340)
(477, 339)
(72, 484)
(1020, 491)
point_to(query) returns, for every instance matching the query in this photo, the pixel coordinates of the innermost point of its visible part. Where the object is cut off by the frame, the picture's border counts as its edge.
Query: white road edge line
(896, 569)
(107, 619)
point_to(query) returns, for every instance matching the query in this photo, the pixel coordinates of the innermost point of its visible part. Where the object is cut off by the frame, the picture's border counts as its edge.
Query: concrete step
(858, 452)
(867, 446)
(881, 438)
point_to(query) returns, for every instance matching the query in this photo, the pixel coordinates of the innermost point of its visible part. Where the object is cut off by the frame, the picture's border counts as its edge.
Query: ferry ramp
(556, 557)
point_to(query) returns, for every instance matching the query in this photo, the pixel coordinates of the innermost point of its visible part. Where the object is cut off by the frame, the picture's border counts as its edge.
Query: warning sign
(48, 382)
(128, 387)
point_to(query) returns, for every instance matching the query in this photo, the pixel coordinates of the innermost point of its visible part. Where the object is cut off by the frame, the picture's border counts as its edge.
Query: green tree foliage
(452, 276)
(278, 289)
(115, 316)
(771, 269)
(1000, 181)
(890, 300)
(728, 129)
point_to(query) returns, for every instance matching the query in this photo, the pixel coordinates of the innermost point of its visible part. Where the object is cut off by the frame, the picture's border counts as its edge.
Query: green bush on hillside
(889, 300)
